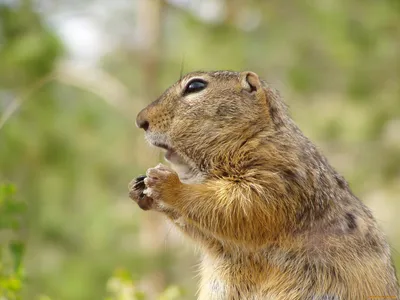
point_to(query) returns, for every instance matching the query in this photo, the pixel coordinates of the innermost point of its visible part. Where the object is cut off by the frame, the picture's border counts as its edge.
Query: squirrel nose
(144, 125)
(141, 121)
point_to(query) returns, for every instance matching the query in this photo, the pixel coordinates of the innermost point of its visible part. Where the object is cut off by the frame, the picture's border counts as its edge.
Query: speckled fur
(272, 218)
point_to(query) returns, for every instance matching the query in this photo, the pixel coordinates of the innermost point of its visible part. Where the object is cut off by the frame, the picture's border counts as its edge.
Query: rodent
(271, 216)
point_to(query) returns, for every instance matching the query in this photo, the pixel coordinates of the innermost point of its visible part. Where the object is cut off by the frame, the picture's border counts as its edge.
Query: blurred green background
(74, 74)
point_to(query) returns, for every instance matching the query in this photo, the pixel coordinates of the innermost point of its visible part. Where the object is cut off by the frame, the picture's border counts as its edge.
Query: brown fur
(273, 219)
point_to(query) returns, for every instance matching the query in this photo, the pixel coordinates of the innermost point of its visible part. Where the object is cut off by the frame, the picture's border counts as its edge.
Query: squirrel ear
(250, 81)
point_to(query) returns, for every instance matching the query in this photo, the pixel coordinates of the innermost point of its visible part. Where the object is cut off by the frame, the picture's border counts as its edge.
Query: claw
(139, 184)
(140, 178)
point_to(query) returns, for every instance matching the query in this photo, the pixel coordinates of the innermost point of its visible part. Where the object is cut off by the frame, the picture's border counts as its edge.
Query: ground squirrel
(272, 218)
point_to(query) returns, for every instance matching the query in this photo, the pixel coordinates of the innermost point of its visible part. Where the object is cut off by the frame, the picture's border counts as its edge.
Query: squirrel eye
(194, 86)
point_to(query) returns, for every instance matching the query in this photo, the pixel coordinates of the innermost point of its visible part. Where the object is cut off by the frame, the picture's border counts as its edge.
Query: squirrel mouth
(178, 161)
(170, 153)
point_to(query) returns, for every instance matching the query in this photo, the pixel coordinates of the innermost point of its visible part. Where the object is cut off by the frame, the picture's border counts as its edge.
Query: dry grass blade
(94, 80)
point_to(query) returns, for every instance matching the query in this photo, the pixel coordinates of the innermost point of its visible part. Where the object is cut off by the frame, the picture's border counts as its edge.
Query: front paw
(161, 183)
(136, 189)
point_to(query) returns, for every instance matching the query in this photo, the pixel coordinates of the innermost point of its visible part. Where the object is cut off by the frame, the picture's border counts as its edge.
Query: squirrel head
(206, 114)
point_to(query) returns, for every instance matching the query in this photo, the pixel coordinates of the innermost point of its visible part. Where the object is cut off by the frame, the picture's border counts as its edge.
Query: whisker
(182, 67)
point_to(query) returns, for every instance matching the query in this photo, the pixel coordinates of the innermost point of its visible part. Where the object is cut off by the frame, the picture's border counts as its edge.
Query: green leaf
(140, 296)
(17, 249)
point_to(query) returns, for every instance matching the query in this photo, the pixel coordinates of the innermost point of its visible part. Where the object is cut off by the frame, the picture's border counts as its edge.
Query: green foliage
(12, 246)
(122, 287)
(28, 50)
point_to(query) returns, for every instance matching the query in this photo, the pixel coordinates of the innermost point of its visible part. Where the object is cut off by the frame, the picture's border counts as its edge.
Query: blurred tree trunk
(233, 7)
(149, 27)
(153, 229)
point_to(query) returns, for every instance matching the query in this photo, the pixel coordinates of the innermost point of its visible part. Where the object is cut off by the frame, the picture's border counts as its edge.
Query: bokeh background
(74, 74)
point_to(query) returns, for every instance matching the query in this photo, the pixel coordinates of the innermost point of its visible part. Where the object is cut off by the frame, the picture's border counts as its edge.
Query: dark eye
(194, 86)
